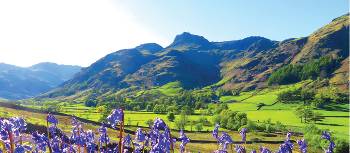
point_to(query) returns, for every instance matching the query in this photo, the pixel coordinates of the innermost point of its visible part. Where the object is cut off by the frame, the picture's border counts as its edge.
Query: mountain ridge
(195, 62)
(25, 82)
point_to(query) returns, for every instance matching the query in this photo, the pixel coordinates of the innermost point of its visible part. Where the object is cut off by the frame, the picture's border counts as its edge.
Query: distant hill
(24, 82)
(194, 62)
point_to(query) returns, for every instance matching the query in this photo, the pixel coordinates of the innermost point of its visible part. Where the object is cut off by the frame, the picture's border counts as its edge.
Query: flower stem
(11, 142)
(48, 137)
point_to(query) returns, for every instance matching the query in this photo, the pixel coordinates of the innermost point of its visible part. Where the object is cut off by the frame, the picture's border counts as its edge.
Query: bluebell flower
(127, 141)
(139, 135)
(216, 132)
(224, 140)
(159, 124)
(243, 133)
(184, 140)
(4, 135)
(240, 149)
(264, 150)
(40, 140)
(288, 136)
(103, 138)
(326, 135)
(331, 147)
(51, 119)
(302, 145)
(115, 117)
(18, 125)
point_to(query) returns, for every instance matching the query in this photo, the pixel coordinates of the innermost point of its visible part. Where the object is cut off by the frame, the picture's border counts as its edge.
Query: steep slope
(250, 72)
(190, 59)
(18, 82)
(333, 39)
(194, 62)
(108, 72)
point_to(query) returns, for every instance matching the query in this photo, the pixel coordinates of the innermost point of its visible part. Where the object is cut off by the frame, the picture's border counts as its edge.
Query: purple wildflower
(115, 117)
(220, 151)
(139, 135)
(127, 140)
(216, 132)
(103, 135)
(40, 140)
(264, 150)
(159, 124)
(184, 140)
(224, 140)
(302, 146)
(243, 133)
(19, 125)
(75, 122)
(55, 144)
(331, 147)
(22, 148)
(51, 119)
(326, 135)
(288, 136)
(240, 149)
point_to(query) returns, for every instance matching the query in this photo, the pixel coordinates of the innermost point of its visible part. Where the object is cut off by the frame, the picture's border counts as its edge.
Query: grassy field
(210, 146)
(336, 118)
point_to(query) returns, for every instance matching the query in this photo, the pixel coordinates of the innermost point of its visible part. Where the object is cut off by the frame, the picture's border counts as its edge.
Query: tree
(149, 108)
(299, 112)
(171, 116)
(199, 127)
(317, 116)
(231, 120)
(191, 124)
(306, 95)
(182, 121)
(187, 110)
(173, 108)
(304, 112)
(136, 108)
(159, 109)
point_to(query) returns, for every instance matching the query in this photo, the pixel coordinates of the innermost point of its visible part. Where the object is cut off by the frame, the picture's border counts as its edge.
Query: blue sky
(79, 32)
(236, 19)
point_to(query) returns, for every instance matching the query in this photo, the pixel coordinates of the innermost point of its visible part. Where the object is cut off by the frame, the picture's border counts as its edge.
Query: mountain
(194, 62)
(24, 82)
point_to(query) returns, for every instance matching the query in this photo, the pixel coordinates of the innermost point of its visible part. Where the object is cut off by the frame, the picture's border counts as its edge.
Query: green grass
(170, 89)
(337, 119)
(38, 118)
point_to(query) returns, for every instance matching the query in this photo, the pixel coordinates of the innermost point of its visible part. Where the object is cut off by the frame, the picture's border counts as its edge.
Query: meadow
(202, 141)
(336, 117)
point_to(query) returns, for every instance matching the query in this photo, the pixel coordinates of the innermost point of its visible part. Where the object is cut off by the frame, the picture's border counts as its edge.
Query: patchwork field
(200, 141)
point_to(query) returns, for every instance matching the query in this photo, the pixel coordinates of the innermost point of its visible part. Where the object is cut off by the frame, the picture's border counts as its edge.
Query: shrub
(199, 127)
(171, 116)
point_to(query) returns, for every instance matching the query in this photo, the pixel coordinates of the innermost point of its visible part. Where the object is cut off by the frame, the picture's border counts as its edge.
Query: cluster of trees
(187, 100)
(229, 119)
(307, 114)
(311, 97)
(266, 126)
(322, 68)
